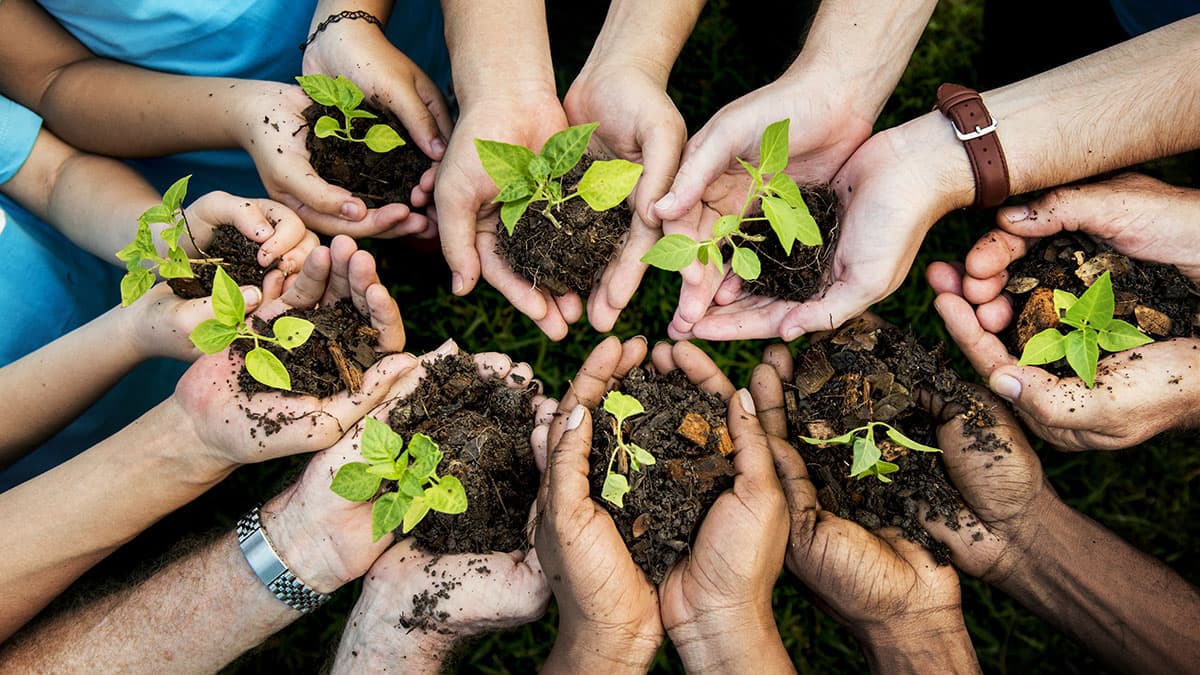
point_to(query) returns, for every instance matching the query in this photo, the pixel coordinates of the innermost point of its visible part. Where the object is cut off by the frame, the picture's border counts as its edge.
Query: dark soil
(1156, 298)
(571, 257)
(342, 346)
(802, 274)
(667, 500)
(239, 257)
(864, 374)
(377, 179)
(483, 429)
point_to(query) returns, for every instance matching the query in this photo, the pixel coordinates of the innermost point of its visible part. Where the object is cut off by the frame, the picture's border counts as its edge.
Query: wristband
(348, 14)
(976, 128)
(271, 570)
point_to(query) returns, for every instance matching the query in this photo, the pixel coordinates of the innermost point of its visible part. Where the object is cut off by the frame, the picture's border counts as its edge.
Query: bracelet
(967, 115)
(271, 570)
(334, 18)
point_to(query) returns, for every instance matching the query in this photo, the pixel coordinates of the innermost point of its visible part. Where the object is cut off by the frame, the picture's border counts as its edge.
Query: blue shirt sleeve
(19, 128)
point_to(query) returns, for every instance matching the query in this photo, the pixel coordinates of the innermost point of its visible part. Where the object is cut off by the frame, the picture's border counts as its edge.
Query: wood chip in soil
(802, 274)
(239, 257)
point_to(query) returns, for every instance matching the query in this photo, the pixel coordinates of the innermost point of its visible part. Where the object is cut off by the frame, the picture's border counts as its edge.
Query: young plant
(419, 489)
(781, 203)
(213, 335)
(1091, 315)
(868, 460)
(344, 95)
(526, 179)
(616, 486)
(139, 278)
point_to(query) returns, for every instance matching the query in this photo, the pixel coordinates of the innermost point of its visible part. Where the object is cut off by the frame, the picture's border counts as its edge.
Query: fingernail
(448, 347)
(747, 401)
(667, 201)
(352, 211)
(1015, 214)
(640, 337)
(575, 419)
(1007, 387)
(792, 333)
(456, 283)
(251, 295)
(438, 146)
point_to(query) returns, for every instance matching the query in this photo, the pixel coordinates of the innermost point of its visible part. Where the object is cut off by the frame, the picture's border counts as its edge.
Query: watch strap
(271, 570)
(976, 128)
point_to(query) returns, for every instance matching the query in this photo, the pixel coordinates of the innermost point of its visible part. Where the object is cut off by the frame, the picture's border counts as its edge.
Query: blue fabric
(19, 127)
(1143, 16)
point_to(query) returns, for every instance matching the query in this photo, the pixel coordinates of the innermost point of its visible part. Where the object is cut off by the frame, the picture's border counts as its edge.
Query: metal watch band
(976, 128)
(270, 568)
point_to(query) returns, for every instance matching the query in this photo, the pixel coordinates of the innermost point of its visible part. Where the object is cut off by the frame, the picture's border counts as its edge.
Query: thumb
(705, 158)
(660, 157)
(1042, 396)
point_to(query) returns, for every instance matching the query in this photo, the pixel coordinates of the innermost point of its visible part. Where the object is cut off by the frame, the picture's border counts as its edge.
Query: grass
(1142, 494)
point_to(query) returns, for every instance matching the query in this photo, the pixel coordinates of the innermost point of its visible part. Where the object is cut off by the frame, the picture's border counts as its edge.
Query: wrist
(362, 649)
(305, 547)
(717, 640)
(194, 460)
(587, 647)
(932, 644)
(929, 145)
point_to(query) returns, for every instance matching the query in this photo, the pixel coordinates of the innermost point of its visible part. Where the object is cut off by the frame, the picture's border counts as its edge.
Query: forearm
(486, 57)
(750, 645)
(196, 615)
(361, 649)
(61, 523)
(380, 9)
(1125, 606)
(935, 651)
(647, 36)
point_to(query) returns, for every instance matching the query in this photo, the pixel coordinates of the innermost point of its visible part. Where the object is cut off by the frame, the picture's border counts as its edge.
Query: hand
(159, 322)
(468, 220)
(716, 603)
(1139, 393)
(268, 121)
(227, 421)
(279, 232)
(639, 123)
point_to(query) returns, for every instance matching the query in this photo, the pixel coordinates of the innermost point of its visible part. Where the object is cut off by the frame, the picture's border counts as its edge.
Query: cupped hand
(1139, 393)
(269, 124)
(282, 238)
(467, 218)
(160, 322)
(638, 123)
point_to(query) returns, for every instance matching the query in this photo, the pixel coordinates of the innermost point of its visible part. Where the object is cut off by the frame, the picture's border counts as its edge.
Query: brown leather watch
(976, 128)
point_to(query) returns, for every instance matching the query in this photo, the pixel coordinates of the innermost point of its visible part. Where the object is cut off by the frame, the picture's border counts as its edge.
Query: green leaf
(504, 162)
(563, 150)
(1083, 352)
(783, 220)
(746, 264)
(845, 439)
(359, 114)
(907, 442)
(511, 212)
(410, 485)
(159, 213)
(539, 168)
(212, 336)
(808, 233)
(1047, 346)
(715, 256)
(326, 126)
(639, 455)
(415, 513)
(1095, 306)
(177, 266)
(380, 444)
(672, 253)
(883, 467)
(773, 153)
(752, 170)
(381, 138)
(448, 496)
(725, 226)
(142, 244)
(174, 196)
(615, 488)
(785, 188)
(387, 513)
(320, 88)
(519, 189)
(135, 283)
(267, 369)
(622, 406)
(702, 254)
(425, 456)
(352, 482)
(390, 471)
(291, 332)
(228, 304)
(866, 453)
(1063, 301)
(1120, 335)
(348, 93)
(606, 184)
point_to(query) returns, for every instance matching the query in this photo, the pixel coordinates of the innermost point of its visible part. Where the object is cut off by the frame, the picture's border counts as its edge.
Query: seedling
(139, 278)
(1091, 315)
(868, 459)
(344, 95)
(229, 308)
(616, 486)
(525, 179)
(419, 489)
(781, 203)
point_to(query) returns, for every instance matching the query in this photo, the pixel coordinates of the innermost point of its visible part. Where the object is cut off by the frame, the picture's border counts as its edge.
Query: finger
(589, 385)
(798, 491)
(980, 291)
(633, 353)
(1065, 403)
(945, 277)
(568, 470)
(767, 390)
(621, 277)
(436, 103)
(705, 157)
(916, 555)
(289, 235)
(994, 252)
(996, 315)
(570, 306)
(299, 181)
(1086, 208)
(362, 274)
(458, 207)
(375, 223)
(984, 350)
(310, 284)
(273, 287)
(493, 365)
(385, 318)
(341, 249)
(661, 148)
(748, 319)
(418, 119)
(842, 301)
(779, 357)
(729, 291)
(701, 369)
(751, 455)
(521, 376)
(696, 293)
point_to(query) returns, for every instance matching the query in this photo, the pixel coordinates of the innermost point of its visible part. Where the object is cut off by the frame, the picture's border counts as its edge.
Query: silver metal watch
(270, 568)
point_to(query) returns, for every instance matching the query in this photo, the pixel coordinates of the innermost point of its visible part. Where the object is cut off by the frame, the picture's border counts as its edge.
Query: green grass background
(1143, 494)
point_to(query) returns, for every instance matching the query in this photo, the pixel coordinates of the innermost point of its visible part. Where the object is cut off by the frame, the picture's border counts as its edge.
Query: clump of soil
(377, 179)
(802, 274)
(239, 257)
(684, 428)
(342, 346)
(864, 373)
(1154, 297)
(570, 257)
(482, 427)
